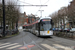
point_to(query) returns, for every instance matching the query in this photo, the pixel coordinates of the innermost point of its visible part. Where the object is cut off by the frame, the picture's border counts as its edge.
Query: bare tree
(12, 14)
(59, 16)
(71, 14)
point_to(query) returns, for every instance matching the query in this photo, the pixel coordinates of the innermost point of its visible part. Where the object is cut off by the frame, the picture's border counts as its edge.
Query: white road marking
(14, 47)
(4, 44)
(8, 45)
(60, 46)
(48, 46)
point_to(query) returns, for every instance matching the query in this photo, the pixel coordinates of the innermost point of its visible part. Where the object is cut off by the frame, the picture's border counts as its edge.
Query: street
(28, 41)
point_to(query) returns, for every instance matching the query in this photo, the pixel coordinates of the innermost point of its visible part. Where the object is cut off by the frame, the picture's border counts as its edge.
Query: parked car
(67, 30)
(56, 29)
(72, 30)
(60, 29)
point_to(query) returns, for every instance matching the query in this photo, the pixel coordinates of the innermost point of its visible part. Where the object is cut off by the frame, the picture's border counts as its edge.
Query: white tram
(41, 27)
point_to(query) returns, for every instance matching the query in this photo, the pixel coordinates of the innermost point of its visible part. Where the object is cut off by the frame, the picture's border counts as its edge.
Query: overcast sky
(53, 5)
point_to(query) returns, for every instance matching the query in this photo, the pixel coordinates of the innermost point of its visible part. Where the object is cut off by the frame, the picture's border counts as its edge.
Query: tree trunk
(63, 22)
(12, 25)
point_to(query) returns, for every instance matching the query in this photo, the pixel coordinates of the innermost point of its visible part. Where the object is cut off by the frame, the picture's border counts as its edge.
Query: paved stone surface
(41, 43)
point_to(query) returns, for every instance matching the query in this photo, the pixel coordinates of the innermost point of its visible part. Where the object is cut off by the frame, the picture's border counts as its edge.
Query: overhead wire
(40, 1)
(41, 4)
(46, 2)
(25, 2)
(39, 8)
(32, 4)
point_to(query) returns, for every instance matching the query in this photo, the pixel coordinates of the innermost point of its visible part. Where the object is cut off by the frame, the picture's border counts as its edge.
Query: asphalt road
(28, 41)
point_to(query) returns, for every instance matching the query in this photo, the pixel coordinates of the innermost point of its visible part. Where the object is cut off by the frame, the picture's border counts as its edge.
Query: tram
(41, 27)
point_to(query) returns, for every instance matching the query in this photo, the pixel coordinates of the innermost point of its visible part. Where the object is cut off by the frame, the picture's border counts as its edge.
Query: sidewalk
(9, 36)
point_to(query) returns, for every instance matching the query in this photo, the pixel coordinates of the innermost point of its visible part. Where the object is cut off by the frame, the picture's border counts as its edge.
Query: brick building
(29, 18)
(21, 19)
(26, 19)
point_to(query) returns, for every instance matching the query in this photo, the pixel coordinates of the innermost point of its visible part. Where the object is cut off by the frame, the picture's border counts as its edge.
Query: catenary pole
(3, 18)
(41, 12)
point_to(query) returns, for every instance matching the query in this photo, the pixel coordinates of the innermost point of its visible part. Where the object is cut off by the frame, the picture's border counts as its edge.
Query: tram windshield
(46, 24)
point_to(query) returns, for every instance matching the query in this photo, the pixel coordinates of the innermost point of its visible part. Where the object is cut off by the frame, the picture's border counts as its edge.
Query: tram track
(40, 46)
(56, 41)
(24, 41)
(35, 42)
